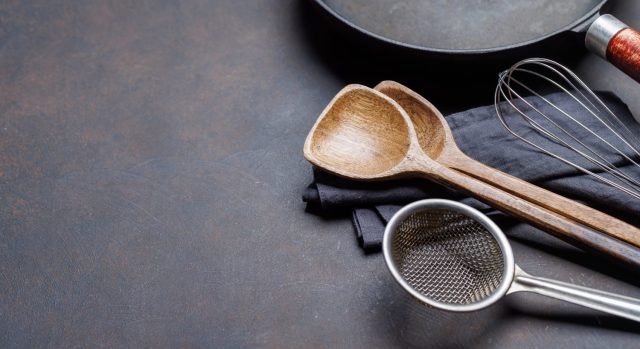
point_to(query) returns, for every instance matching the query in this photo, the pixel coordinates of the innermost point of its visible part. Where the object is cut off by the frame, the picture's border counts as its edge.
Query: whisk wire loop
(611, 140)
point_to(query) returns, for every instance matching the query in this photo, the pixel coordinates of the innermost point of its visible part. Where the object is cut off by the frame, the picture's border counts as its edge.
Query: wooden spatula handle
(559, 204)
(614, 41)
(549, 221)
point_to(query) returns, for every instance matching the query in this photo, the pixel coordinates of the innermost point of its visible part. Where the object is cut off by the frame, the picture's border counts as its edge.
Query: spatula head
(362, 134)
(431, 128)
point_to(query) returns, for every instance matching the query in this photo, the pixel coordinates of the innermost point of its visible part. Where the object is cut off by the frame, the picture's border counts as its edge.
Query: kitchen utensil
(435, 137)
(364, 135)
(449, 31)
(561, 126)
(452, 257)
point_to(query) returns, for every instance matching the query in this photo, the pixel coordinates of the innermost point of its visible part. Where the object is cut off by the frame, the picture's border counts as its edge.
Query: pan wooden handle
(616, 42)
(624, 52)
(557, 203)
(549, 221)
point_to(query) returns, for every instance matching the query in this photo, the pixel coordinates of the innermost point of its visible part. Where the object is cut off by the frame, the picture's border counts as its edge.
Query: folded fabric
(480, 135)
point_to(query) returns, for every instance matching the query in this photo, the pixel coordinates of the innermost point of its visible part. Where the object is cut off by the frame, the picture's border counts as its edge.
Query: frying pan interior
(462, 25)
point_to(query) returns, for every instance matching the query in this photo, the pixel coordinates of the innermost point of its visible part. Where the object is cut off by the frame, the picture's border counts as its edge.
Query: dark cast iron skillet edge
(578, 26)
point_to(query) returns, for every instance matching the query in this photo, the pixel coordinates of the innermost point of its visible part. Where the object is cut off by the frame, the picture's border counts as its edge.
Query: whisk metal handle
(616, 42)
(610, 303)
(557, 203)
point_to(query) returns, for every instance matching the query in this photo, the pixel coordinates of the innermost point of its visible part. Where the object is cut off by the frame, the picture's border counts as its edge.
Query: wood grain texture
(624, 52)
(436, 139)
(351, 137)
(374, 138)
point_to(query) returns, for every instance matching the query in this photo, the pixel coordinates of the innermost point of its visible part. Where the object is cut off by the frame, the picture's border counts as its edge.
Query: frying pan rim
(593, 12)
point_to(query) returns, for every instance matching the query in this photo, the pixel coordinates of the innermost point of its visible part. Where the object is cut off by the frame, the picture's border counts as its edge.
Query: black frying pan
(486, 30)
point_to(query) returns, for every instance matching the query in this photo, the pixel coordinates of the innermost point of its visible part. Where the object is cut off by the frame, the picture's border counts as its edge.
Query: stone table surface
(150, 178)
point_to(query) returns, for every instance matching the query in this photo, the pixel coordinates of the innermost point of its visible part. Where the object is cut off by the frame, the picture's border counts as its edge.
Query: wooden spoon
(365, 135)
(435, 139)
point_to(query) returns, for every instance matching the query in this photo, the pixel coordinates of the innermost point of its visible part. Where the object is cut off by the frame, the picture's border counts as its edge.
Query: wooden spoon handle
(549, 221)
(557, 203)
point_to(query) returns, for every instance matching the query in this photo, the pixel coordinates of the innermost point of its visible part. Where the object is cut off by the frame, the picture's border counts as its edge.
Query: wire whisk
(589, 130)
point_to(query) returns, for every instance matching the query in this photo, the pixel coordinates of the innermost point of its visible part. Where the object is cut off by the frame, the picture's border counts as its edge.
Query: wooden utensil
(365, 135)
(435, 138)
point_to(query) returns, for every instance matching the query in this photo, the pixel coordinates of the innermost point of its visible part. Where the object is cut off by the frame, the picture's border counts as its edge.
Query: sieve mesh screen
(447, 256)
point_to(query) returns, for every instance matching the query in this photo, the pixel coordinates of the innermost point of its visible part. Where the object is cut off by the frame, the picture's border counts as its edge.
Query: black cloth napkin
(480, 135)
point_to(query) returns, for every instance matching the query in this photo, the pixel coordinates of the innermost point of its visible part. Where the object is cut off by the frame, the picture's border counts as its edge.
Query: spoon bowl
(431, 128)
(361, 135)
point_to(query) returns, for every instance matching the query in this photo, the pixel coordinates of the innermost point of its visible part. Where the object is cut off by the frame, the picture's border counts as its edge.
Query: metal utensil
(566, 128)
(452, 257)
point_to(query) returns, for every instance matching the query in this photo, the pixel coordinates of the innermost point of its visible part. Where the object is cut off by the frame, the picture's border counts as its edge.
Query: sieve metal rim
(486, 222)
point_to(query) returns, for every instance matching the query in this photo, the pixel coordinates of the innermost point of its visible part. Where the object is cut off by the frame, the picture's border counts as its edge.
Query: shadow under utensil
(453, 83)
(415, 325)
(532, 237)
(583, 317)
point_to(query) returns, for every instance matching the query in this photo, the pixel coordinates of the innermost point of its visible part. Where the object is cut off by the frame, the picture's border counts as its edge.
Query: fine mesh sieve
(447, 255)
(451, 256)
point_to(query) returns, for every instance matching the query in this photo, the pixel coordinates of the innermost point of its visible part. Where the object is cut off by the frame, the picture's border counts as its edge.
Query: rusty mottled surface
(150, 177)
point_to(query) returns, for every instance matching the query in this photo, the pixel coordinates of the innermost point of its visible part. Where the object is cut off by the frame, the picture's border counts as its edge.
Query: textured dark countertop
(150, 177)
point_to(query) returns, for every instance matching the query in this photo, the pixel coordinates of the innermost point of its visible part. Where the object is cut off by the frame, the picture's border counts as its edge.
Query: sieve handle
(557, 203)
(547, 220)
(610, 303)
